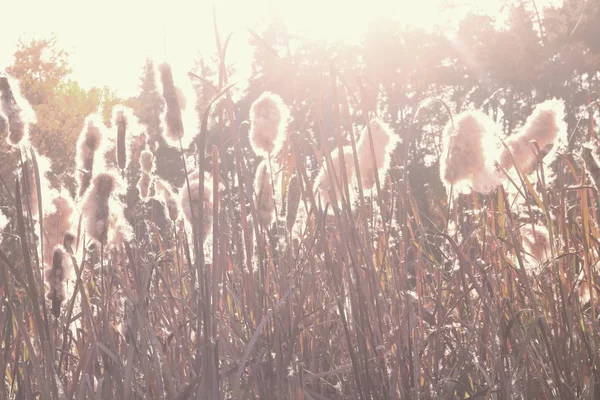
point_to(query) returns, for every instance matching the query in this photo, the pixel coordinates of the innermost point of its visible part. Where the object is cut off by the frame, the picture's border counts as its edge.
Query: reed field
(292, 263)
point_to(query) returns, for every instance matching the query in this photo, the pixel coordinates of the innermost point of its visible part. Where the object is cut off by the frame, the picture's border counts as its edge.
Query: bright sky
(109, 40)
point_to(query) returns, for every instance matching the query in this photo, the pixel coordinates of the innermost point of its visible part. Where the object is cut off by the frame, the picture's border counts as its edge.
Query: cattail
(294, 197)
(143, 185)
(147, 161)
(384, 142)
(331, 182)
(191, 205)
(57, 223)
(138, 144)
(68, 240)
(181, 117)
(88, 143)
(173, 118)
(119, 229)
(153, 146)
(468, 154)
(546, 126)
(18, 113)
(268, 124)
(56, 276)
(3, 123)
(167, 197)
(96, 206)
(122, 118)
(536, 242)
(29, 185)
(265, 200)
(3, 223)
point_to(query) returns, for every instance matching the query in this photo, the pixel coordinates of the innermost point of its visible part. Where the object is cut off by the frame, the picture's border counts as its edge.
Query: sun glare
(109, 41)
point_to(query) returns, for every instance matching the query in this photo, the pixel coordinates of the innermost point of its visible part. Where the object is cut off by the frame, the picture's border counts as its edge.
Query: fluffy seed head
(190, 205)
(57, 223)
(469, 153)
(265, 200)
(536, 242)
(56, 276)
(119, 230)
(294, 198)
(147, 161)
(181, 117)
(29, 187)
(95, 206)
(3, 223)
(144, 185)
(328, 182)
(167, 197)
(88, 143)
(268, 124)
(384, 143)
(121, 119)
(546, 126)
(173, 119)
(138, 144)
(18, 114)
(3, 123)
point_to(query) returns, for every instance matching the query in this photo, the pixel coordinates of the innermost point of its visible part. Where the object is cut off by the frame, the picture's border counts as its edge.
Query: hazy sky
(109, 40)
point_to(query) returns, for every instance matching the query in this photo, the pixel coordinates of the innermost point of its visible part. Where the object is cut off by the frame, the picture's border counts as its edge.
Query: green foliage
(60, 104)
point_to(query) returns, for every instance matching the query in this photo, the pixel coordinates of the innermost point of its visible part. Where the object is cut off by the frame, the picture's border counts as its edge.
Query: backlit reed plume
(536, 243)
(58, 215)
(545, 126)
(146, 166)
(138, 144)
(268, 124)
(17, 112)
(143, 185)
(377, 162)
(265, 199)
(181, 117)
(166, 195)
(294, 197)
(3, 123)
(119, 229)
(56, 275)
(88, 143)
(123, 118)
(3, 224)
(331, 182)
(147, 161)
(96, 206)
(469, 154)
(190, 206)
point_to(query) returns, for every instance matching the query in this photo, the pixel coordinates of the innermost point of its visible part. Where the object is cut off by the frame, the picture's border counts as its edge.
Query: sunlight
(109, 41)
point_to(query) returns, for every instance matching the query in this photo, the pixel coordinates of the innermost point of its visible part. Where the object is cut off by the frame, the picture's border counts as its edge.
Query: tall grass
(374, 299)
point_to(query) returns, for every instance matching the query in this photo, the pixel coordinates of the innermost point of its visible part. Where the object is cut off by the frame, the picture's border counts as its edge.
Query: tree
(60, 104)
(40, 67)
